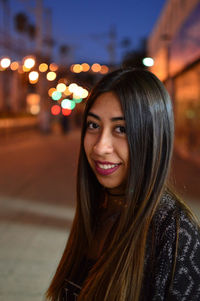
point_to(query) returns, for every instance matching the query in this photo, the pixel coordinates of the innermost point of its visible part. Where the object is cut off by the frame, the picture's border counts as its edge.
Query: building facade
(175, 47)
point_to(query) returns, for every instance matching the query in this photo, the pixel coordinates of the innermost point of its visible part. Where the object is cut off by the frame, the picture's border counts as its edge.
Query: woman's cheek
(87, 145)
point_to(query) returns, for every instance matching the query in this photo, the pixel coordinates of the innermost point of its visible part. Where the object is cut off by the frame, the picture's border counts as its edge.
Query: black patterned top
(158, 270)
(158, 284)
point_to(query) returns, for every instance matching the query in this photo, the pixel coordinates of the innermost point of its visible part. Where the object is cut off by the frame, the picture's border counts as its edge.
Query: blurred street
(37, 185)
(37, 198)
(49, 62)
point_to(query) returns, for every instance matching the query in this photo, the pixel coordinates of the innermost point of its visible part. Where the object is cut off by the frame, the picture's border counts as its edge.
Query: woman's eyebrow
(93, 115)
(112, 119)
(117, 118)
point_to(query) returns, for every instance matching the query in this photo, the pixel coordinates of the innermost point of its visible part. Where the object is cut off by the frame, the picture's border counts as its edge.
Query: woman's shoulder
(175, 241)
(174, 225)
(173, 213)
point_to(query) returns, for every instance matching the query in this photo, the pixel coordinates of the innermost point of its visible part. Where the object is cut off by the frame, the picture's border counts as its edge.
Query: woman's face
(105, 141)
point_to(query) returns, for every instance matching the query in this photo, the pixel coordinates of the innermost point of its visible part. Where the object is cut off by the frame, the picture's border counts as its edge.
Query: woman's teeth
(107, 166)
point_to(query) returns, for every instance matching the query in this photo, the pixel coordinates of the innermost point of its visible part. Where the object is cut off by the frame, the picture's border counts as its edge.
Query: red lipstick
(106, 171)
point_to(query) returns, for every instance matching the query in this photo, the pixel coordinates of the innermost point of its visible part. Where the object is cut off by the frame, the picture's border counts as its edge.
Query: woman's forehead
(107, 103)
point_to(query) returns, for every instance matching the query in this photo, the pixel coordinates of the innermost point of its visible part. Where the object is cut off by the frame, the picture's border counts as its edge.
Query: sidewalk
(32, 239)
(37, 208)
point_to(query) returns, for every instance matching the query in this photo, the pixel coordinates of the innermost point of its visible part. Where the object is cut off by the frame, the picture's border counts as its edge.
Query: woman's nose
(103, 144)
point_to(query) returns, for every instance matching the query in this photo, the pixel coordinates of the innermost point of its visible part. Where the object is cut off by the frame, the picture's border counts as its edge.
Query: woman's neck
(114, 200)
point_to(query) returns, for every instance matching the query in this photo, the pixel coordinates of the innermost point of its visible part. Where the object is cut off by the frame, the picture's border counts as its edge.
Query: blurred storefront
(175, 47)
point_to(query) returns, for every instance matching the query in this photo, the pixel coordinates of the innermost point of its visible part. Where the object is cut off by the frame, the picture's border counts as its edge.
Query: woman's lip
(105, 172)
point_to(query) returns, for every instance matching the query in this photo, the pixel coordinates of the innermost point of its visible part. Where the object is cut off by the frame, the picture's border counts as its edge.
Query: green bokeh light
(56, 95)
(77, 100)
(68, 104)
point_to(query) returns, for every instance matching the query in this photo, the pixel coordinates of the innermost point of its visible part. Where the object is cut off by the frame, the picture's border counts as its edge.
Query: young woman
(131, 239)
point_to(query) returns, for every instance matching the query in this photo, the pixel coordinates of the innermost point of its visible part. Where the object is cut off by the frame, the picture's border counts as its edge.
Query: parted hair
(118, 273)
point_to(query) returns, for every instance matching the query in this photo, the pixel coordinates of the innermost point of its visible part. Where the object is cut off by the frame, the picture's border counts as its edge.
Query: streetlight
(148, 61)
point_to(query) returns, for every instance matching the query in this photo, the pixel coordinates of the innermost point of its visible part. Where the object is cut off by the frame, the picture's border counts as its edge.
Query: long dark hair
(148, 113)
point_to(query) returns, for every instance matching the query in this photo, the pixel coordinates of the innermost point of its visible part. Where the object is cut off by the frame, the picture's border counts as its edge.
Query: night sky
(85, 25)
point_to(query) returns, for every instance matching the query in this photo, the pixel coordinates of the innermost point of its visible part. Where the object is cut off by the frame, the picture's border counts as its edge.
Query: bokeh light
(34, 109)
(51, 90)
(63, 80)
(25, 69)
(71, 67)
(61, 87)
(68, 104)
(33, 99)
(51, 76)
(14, 66)
(55, 110)
(29, 62)
(66, 112)
(77, 100)
(43, 67)
(5, 62)
(33, 77)
(148, 62)
(104, 69)
(20, 70)
(77, 68)
(84, 93)
(72, 87)
(96, 67)
(79, 92)
(85, 67)
(56, 95)
(67, 92)
(53, 67)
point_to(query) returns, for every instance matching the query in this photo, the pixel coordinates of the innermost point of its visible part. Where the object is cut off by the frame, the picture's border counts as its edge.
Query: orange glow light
(51, 90)
(20, 70)
(63, 80)
(104, 69)
(85, 67)
(53, 67)
(43, 67)
(35, 109)
(96, 67)
(25, 69)
(67, 92)
(33, 99)
(55, 110)
(14, 66)
(71, 68)
(77, 68)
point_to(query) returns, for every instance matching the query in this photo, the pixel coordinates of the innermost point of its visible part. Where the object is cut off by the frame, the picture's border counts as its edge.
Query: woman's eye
(120, 129)
(92, 125)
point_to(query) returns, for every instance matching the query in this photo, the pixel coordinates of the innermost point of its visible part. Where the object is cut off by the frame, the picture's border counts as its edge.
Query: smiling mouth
(106, 168)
